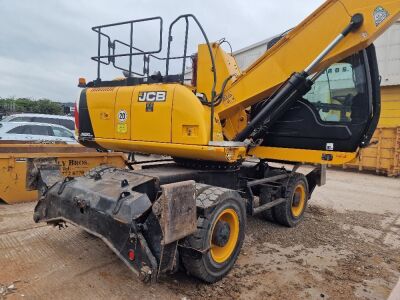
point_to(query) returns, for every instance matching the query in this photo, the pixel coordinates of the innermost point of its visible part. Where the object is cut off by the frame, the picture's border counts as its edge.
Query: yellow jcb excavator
(313, 97)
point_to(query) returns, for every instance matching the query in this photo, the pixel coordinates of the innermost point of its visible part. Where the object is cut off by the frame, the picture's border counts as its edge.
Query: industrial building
(388, 52)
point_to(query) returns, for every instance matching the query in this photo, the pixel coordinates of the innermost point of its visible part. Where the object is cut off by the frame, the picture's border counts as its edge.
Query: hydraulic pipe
(355, 23)
(297, 85)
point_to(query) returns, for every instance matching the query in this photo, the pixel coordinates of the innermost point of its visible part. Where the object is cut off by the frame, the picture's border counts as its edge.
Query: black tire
(266, 197)
(197, 253)
(283, 212)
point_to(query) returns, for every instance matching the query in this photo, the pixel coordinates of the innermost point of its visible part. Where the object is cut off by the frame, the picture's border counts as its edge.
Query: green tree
(45, 106)
(7, 104)
(26, 105)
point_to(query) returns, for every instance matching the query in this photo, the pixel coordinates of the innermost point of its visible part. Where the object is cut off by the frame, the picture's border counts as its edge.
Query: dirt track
(347, 248)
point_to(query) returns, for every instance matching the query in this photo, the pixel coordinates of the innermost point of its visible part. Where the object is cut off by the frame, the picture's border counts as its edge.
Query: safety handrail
(213, 93)
(111, 45)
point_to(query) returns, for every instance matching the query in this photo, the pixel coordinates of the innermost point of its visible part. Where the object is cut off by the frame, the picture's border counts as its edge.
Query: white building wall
(245, 57)
(388, 53)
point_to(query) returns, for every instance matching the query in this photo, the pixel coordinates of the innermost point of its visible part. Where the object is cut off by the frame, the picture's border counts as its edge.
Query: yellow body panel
(190, 119)
(178, 126)
(74, 160)
(234, 124)
(225, 66)
(212, 153)
(152, 125)
(101, 103)
(181, 118)
(301, 155)
(122, 115)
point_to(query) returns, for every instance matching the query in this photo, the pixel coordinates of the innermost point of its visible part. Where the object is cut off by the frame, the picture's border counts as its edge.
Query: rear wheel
(291, 212)
(265, 198)
(266, 195)
(211, 252)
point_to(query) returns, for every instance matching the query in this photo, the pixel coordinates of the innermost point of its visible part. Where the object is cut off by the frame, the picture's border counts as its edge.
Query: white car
(30, 131)
(65, 121)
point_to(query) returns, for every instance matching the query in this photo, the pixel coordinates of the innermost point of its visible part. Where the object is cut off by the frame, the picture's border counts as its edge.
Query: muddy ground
(348, 247)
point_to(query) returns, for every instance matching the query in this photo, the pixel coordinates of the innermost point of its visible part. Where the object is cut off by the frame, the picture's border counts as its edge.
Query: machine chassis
(150, 214)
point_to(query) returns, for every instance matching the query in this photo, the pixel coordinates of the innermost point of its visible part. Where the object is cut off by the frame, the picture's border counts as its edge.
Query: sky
(46, 45)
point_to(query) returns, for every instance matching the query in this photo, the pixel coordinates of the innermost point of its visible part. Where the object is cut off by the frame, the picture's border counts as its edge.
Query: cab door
(336, 117)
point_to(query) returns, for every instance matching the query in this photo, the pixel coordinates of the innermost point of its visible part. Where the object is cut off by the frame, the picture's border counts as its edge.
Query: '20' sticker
(122, 116)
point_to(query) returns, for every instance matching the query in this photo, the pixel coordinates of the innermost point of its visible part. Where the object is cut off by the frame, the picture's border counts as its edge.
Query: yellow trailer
(74, 160)
(383, 155)
(390, 113)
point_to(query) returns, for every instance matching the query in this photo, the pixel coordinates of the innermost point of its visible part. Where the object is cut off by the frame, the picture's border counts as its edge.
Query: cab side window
(340, 94)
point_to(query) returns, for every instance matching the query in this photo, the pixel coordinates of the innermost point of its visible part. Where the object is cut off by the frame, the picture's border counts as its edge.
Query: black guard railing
(111, 55)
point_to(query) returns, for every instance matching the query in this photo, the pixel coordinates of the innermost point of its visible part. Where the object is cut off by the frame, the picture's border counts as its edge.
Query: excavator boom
(298, 48)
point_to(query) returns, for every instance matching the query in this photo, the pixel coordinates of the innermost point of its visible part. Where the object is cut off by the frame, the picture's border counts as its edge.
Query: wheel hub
(224, 237)
(221, 233)
(298, 201)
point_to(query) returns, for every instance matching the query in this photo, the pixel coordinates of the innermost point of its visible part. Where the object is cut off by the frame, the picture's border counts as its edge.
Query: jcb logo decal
(152, 96)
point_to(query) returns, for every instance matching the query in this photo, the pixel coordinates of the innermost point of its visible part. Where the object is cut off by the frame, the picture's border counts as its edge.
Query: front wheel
(213, 249)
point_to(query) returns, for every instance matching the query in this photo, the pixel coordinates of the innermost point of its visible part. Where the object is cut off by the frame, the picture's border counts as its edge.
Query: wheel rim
(298, 200)
(221, 254)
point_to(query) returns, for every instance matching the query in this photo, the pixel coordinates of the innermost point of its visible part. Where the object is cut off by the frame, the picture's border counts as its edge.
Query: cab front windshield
(340, 94)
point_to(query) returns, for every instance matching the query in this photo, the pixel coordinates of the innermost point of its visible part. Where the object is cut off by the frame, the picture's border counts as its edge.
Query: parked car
(65, 121)
(30, 131)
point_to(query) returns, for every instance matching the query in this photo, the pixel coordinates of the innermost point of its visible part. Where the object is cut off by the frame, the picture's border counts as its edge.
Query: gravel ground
(347, 248)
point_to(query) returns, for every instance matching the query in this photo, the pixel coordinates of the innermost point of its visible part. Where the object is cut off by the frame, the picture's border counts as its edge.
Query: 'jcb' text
(152, 96)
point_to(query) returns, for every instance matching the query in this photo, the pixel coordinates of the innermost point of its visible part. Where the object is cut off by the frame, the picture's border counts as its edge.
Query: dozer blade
(116, 206)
